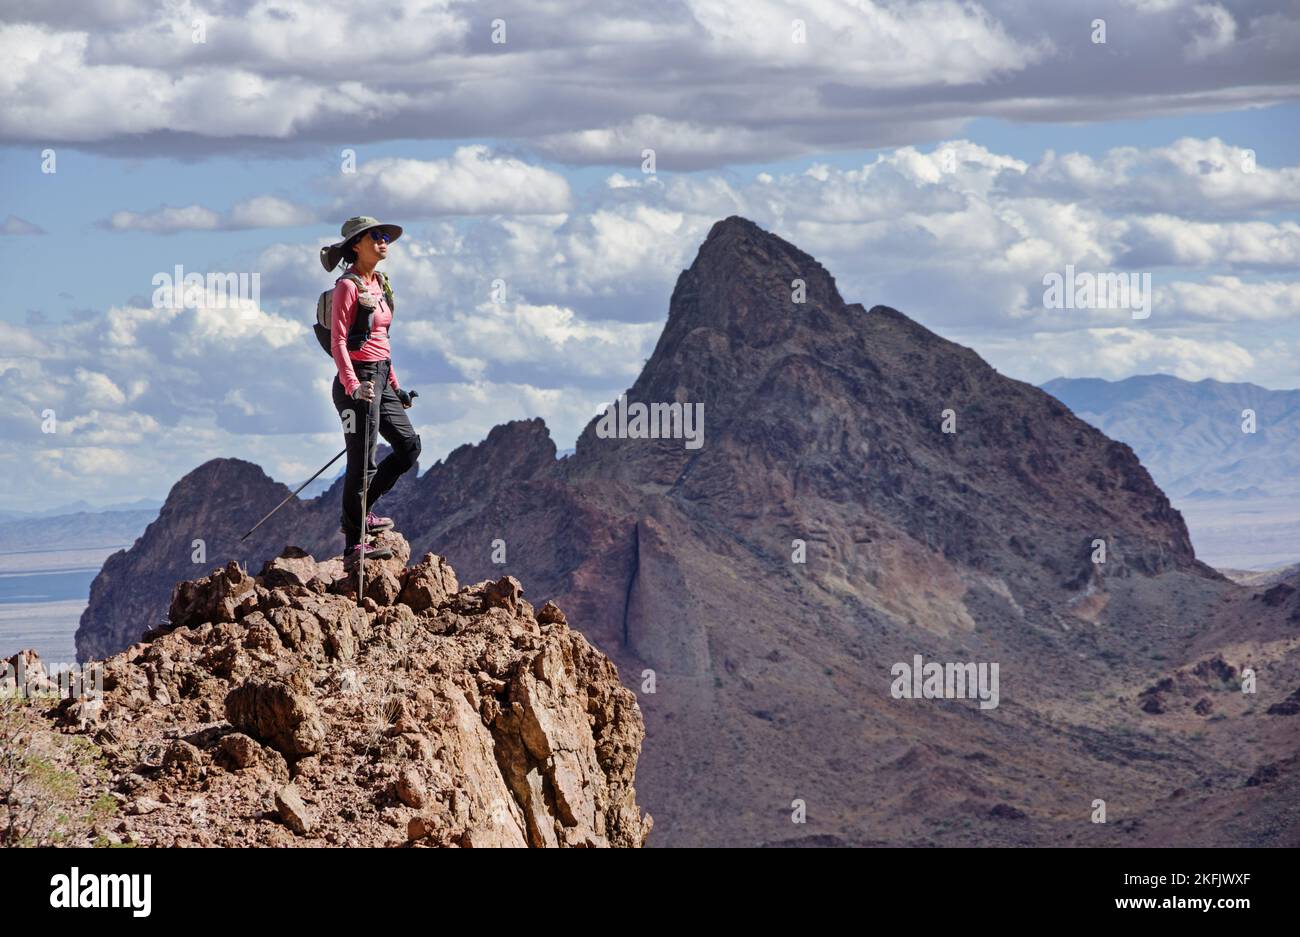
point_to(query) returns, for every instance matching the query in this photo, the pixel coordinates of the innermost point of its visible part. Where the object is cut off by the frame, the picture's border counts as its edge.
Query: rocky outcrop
(200, 524)
(273, 709)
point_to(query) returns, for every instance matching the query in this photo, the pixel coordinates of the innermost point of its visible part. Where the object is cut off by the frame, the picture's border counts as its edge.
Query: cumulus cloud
(1158, 240)
(1231, 300)
(472, 181)
(1189, 177)
(263, 211)
(1115, 353)
(703, 82)
(267, 211)
(518, 338)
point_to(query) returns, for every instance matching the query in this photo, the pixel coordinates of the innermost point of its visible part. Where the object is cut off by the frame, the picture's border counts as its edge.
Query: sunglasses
(377, 235)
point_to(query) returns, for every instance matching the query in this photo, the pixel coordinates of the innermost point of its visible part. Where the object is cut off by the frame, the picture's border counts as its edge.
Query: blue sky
(937, 157)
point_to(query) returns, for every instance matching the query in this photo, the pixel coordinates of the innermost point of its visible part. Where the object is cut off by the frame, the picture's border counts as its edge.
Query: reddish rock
(293, 567)
(272, 711)
(321, 746)
(428, 583)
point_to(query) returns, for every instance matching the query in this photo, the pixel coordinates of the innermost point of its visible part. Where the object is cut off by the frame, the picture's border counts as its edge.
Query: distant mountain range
(85, 507)
(1189, 434)
(81, 530)
(1239, 491)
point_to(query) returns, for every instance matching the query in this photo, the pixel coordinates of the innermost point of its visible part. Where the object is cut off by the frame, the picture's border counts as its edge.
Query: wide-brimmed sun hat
(331, 254)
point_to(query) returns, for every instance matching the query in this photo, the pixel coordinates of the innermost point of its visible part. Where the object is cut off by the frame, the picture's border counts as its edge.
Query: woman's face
(369, 251)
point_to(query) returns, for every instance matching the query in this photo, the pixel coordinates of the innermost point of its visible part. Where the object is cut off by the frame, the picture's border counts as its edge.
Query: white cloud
(472, 181)
(78, 465)
(1188, 177)
(546, 336)
(704, 82)
(166, 220)
(267, 211)
(1118, 352)
(933, 42)
(98, 390)
(263, 211)
(1215, 31)
(1164, 239)
(1229, 299)
(677, 144)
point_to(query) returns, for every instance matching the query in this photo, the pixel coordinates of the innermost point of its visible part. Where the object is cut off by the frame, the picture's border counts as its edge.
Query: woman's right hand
(364, 391)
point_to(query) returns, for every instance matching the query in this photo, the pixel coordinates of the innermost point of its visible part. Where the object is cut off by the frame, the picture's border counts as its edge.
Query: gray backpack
(359, 333)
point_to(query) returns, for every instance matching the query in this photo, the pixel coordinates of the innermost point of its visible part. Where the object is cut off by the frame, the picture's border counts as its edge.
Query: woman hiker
(366, 384)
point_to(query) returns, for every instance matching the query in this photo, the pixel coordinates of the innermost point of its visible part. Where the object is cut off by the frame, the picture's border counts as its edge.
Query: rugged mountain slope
(272, 710)
(764, 674)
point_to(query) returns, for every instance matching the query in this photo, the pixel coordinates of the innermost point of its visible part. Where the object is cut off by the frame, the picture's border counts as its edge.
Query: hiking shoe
(373, 552)
(373, 523)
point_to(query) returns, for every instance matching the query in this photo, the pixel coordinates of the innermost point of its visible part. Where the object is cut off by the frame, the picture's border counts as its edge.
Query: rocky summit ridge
(272, 709)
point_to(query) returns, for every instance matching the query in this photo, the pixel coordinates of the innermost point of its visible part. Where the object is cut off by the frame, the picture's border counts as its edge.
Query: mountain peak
(748, 294)
(736, 246)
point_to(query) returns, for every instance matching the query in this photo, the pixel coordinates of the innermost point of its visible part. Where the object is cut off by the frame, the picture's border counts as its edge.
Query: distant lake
(46, 587)
(42, 596)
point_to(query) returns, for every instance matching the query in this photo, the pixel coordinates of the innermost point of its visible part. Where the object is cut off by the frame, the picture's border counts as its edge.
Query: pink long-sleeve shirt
(344, 308)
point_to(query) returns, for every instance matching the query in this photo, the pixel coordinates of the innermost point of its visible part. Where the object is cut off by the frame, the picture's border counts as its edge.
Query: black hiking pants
(387, 418)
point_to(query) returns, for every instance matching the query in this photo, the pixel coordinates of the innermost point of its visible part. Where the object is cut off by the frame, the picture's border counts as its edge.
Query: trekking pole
(365, 491)
(291, 496)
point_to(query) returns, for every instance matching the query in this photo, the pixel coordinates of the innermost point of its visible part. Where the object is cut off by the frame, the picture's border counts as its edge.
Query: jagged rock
(24, 673)
(1264, 774)
(293, 567)
(383, 584)
(273, 712)
(1153, 703)
(349, 682)
(218, 597)
(410, 787)
(428, 583)
(1215, 667)
(240, 750)
(550, 614)
(397, 726)
(292, 810)
(298, 629)
(183, 758)
(1288, 707)
(425, 824)
(505, 593)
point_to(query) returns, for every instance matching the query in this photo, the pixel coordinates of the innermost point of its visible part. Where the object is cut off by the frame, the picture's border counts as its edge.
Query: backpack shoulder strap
(388, 291)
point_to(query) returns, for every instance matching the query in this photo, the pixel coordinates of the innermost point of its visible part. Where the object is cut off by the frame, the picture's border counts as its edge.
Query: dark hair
(349, 250)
